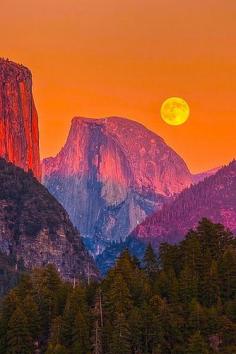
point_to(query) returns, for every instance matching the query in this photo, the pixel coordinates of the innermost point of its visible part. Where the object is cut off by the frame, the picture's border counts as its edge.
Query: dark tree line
(181, 302)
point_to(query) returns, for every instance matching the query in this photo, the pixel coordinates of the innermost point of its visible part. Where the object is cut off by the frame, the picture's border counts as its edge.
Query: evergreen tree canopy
(181, 302)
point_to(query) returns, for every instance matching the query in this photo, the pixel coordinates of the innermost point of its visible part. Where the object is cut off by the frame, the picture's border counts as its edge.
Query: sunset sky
(125, 57)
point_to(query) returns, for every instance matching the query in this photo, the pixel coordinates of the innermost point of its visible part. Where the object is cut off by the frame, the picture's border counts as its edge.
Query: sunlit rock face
(111, 174)
(19, 136)
(213, 198)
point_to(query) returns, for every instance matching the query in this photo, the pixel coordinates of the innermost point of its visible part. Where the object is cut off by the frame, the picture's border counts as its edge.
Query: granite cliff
(19, 136)
(110, 175)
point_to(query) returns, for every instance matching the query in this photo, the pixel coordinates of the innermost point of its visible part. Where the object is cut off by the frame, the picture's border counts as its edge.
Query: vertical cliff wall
(19, 135)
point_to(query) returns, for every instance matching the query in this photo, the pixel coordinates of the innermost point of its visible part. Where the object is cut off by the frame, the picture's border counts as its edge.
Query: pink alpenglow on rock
(19, 135)
(111, 174)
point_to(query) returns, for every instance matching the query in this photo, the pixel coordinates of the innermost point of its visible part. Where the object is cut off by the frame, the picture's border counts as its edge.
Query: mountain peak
(111, 121)
(111, 173)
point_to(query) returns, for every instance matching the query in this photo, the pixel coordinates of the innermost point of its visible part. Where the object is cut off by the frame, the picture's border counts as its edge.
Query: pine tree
(49, 278)
(133, 276)
(167, 284)
(227, 274)
(210, 285)
(25, 286)
(75, 319)
(149, 327)
(197, 345)
(32, 314)
(212, 325)
(19, 340)
(80, 337)
(188, 285)
(57, 349)
(197, 318)
(120, 337)
(118, 297)
(169, 256)
(46, 294)
(167, 325)
(230, 310)
(98, 323)
(228, 330)
(55, 331)
(214, 238)
(150, 262)
(68, 321)
(135, 324)
(97, 343)
(9, 305)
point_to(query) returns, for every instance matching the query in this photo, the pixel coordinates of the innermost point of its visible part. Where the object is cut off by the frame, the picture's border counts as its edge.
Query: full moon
(175, 111)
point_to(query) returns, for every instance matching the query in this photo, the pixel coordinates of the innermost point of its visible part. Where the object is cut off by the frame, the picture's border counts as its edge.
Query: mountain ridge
(213, 198)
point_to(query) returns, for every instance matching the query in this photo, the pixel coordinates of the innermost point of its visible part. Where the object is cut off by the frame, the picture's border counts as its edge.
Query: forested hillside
(213, 198)
(183, 302)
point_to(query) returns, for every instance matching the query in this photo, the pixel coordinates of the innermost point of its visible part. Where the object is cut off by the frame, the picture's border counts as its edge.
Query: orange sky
(99, 58)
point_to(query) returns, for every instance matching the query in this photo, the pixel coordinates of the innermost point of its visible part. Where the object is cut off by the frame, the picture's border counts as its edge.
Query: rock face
(19, 136)
(35, 230)
(214, 198)
(111, 174)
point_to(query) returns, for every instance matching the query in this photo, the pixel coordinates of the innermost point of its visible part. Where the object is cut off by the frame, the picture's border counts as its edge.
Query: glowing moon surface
(175, 111)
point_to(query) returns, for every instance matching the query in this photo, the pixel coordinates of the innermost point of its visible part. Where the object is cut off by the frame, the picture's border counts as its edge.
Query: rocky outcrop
(19, 136)
(214, 198)
(111, 174)
(35, 230)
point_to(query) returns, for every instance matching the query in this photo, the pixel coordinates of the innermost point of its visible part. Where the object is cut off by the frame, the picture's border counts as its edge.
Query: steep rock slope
(110, 174)
(214, 198)
(35, 230)
(19, 136)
